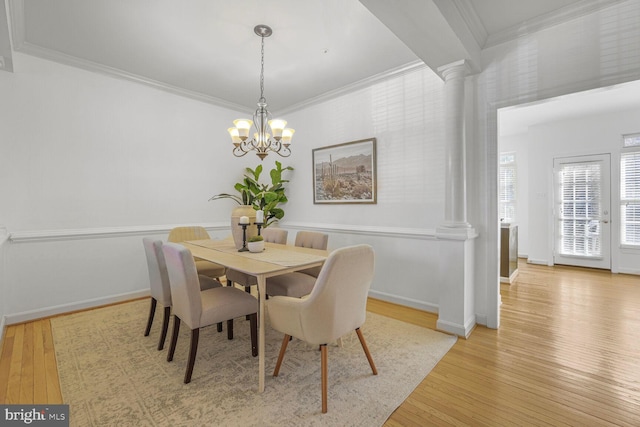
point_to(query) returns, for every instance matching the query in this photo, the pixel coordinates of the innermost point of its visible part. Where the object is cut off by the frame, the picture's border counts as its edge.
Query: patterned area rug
(112, 375)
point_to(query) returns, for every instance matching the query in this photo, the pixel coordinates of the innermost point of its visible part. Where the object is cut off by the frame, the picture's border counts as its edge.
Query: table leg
(262, 290)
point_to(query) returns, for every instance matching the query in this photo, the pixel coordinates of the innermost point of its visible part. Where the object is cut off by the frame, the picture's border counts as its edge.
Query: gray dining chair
(182, 234)
(159, 286)
(299, 283)
(200, 309)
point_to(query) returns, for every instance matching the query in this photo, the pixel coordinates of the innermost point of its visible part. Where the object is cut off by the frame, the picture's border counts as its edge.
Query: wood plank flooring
(567, 353)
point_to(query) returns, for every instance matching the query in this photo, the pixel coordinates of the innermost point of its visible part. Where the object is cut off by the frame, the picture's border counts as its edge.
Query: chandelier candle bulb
(259, 217)
(277, 126)
(243, 126)
(287, 134)
(244, 220)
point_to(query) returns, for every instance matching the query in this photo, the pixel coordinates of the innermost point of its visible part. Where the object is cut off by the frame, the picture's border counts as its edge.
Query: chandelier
(269, 134)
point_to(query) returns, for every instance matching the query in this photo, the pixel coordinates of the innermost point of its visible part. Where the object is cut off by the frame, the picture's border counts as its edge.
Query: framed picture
(345, 173)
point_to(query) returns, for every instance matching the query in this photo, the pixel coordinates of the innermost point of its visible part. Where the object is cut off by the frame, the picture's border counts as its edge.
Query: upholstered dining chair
(199, 309)
(159, 286)
(181, 234)
(299, 283)
(272, 235)
(336, 305)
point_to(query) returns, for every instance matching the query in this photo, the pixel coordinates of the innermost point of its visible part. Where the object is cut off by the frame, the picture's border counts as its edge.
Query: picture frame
(345, 173)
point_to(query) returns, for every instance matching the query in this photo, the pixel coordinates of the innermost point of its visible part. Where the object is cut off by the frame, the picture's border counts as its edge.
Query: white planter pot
(256, 246)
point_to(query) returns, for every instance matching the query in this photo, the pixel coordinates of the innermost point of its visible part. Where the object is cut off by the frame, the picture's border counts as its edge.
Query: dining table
(274, 260)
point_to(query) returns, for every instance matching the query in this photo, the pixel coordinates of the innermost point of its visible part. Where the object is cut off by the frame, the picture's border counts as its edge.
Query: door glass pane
(580, 200)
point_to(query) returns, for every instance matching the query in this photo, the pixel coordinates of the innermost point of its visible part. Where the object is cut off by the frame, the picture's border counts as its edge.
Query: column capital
(457, 69)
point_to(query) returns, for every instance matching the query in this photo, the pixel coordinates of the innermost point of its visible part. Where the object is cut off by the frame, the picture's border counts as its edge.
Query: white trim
(84, 64)
(457, 329)
(405, 233)
(369, 81)
(21, 45)
(3, 321)
(634, 271)
(548, 20)
(27, 316)
(472, 20)
(95, 233)
(407, 302)
(537, 261)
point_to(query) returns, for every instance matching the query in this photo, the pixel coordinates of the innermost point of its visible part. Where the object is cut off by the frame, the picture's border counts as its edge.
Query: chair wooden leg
(323, 365)
(230, 329)
(253, 326)
(165, 327)
(174, 338)
(193, 349)
(152, 312)
(247, 289)
(283, 348)
(366, 351)
(219, 326)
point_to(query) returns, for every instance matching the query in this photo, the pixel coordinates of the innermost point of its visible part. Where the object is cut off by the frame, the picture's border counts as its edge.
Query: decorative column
(456, 237)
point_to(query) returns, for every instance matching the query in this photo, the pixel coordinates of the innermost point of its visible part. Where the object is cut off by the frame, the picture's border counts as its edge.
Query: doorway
(582, 220)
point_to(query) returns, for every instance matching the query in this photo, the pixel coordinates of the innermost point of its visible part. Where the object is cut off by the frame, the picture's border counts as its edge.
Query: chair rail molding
(95, 233)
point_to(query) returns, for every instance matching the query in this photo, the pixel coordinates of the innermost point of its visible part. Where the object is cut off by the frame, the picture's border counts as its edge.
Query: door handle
(605, 221)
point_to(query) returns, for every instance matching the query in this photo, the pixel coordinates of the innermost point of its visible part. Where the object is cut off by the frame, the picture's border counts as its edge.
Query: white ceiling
(207, 49)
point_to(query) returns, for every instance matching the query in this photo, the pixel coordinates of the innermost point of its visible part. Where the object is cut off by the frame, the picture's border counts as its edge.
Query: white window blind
(630, 198)
(580, 195)
(507, 184)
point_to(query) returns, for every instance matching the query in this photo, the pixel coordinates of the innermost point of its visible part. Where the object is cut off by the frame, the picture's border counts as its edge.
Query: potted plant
(265, 197)
(255, 244)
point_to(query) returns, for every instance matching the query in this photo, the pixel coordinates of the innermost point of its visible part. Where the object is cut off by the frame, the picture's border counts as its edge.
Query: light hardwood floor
(567, 353)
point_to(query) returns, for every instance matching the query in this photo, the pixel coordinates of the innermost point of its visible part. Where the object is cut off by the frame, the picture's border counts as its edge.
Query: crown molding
(548, 20)
(472, 20)
(75, 62)
(369, 81)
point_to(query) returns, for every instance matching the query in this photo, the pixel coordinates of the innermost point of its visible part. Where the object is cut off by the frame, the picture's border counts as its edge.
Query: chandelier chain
(262, 71)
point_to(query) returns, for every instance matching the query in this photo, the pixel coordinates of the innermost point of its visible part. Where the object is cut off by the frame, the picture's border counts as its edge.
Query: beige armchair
(299, 283)
(199, 309)
(181, 234)
(159, 286)
(336, 306)
(272, 235)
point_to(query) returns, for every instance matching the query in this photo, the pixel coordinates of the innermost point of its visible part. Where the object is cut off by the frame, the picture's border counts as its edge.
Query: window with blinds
(580, 195)
(630, 191)
(507, 187)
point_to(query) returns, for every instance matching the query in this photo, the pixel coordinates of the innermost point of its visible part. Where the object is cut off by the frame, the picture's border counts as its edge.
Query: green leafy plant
(265, 197)
(256, 239)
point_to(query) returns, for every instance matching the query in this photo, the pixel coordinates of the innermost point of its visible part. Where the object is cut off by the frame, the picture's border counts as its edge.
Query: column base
(456, 305)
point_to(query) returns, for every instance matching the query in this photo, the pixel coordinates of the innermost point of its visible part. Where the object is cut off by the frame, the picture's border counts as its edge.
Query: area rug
(112, 375)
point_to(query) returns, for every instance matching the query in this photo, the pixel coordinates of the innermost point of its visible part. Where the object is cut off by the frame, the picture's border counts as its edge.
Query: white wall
(95, 163)
(405, 115)
(519, 144)
(591, 51)
(587, 135)
(89, 165)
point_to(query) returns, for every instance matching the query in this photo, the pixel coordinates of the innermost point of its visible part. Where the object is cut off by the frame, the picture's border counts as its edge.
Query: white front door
(582, 211)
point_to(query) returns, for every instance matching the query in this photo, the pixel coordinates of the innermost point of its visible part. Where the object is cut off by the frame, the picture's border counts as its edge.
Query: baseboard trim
(27, 316)
(407, 302)
(3, 321)
(453, 328)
